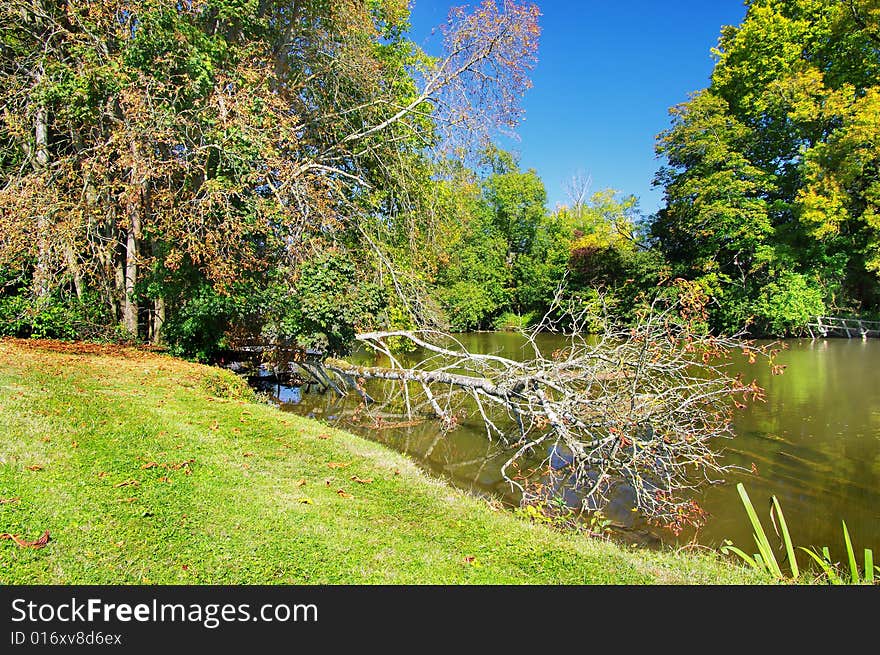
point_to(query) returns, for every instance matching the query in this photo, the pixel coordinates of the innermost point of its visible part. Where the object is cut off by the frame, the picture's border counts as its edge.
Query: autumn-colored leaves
(23, 543)
(340, 491)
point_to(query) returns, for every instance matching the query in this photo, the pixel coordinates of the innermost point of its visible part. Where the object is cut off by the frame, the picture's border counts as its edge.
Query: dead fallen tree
(639, 406)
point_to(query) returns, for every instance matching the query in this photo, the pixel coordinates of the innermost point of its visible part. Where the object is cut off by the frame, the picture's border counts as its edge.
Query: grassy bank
(147, 469)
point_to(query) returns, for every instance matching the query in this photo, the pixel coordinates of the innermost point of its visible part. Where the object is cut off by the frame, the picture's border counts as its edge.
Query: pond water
(815, 444)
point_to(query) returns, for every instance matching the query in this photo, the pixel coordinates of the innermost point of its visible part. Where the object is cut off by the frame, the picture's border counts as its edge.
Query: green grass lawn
(148, 470)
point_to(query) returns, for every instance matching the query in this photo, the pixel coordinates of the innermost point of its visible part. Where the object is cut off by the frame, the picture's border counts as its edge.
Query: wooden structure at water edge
(834, 326)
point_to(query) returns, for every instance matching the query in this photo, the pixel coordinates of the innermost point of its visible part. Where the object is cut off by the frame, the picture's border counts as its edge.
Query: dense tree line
(772, 187)
(195, 172)
(182, 171)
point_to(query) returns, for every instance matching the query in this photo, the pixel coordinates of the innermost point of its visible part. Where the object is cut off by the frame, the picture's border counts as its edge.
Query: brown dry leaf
(215, 426)
(6, 501)
(103, 474)
(396, 472)
(131, 482)
(149, 465)
(300, 483)
(361, 480)
(247, 454)
(337, 465)
(328, 481)
(470, 559)
(46, 440)
(165, 479)
(323, 436)
(236, 430)
(74, 444)
(247, 466)
(343, 494)
(35, 467)
(39, 543)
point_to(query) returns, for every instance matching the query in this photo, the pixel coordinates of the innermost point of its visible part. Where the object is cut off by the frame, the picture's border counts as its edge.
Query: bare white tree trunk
(41, 160)
(132, 246)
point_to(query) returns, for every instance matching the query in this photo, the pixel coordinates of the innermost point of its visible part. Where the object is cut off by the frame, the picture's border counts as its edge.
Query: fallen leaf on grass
(131, 482)
(74, 444)
(336, 465)
(103, 474)
(247, 454)
(328, 481)
(343, 494)
(46, 440)
(35, 467)
(6, 501)
(323, 436)
(165, 479)
(39, 543)
(306, 501)
(470, 559)
(300, 483)
(361, 480)
(215, 426)
(149, 465)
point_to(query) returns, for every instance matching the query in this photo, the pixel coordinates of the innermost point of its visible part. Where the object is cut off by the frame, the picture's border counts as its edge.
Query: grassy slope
(95, 417)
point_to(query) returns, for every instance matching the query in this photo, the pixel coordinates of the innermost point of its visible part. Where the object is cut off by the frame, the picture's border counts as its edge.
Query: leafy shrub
(468, 305)
(197, 328)
(226, 384)
(326, 306)
(511, 321)
(56, 317)
(787, 304)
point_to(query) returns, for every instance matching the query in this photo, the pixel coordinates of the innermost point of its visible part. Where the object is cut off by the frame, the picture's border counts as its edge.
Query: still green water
(815, 443)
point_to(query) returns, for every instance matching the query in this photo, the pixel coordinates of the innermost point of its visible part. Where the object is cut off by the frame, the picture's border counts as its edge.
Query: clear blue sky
(607, 74)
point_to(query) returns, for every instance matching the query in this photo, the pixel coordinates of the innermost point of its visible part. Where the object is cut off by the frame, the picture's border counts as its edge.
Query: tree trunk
(130, 306)
(75, 272)
(40, 161)
(158, 320)
(132, 245)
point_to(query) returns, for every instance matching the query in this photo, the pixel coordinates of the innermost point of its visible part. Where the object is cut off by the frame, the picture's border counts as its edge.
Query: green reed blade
(825, 563)
(760, 537)
(851, 556)
(786, 537)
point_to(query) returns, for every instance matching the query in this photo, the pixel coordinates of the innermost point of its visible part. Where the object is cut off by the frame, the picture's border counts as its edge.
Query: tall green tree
(772, 171)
